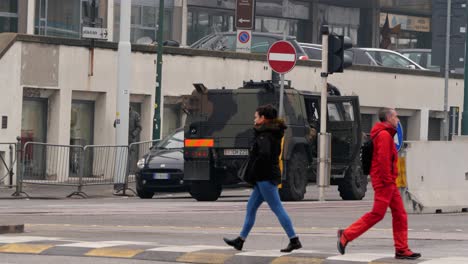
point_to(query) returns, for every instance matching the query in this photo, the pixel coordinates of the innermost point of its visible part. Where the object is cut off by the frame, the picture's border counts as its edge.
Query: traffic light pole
(324, 138)
(157, 94)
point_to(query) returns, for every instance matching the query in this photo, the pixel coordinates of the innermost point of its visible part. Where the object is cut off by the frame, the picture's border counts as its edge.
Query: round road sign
(244, 37)
(282, 56)
(399, 137)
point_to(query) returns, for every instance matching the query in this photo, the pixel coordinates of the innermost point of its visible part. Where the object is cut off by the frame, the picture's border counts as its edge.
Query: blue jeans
(266, 191)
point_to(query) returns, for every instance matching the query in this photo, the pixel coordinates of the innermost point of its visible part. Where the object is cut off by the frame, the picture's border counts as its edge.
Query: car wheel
(205, 190)
(145, 194)
(294, 187)
(354, 184)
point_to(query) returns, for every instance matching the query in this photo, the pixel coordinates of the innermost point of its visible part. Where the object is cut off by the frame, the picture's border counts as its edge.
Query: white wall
(410, 93)
(10, 101)
(437, 176)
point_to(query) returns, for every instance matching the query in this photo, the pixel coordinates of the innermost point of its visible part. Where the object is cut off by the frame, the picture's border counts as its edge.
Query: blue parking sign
(399, 137)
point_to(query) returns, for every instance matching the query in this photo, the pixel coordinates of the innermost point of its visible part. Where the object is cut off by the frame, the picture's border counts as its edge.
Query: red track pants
(384, 197)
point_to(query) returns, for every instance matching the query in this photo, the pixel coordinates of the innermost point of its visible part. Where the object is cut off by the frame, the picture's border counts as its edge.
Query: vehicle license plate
(236, 152)
(161, 176)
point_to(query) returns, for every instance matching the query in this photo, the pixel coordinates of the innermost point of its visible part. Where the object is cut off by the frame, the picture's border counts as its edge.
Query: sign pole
(281, 99)
(464, 124)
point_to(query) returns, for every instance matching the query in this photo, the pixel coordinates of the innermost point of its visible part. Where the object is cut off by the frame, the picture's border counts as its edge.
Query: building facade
(189, 20)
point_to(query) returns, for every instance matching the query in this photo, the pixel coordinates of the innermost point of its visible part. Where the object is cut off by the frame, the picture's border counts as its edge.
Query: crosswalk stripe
(263, 253)
(204, 257)
(451, 260)
(114, 252)
(24, 239)
(25, 248)
(297, 260)
(104, 244)
(187, 249)
(360, 257)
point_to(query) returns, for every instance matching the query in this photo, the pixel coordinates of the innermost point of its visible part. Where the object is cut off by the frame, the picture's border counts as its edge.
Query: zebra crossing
(21, 244)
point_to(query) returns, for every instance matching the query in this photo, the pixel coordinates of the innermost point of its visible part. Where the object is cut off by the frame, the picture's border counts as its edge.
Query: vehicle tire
(294, 187)
(205, 190)
(145, 194)
(354, 184)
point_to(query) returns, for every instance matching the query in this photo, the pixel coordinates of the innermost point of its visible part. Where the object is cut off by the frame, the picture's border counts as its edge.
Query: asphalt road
(177, 220)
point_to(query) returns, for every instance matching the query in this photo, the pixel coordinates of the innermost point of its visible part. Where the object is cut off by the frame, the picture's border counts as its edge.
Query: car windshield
(173, 141)
(388, 59)
(313, 53)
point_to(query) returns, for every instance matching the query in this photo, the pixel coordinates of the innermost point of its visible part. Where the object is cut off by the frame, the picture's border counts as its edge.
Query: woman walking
(265, 175)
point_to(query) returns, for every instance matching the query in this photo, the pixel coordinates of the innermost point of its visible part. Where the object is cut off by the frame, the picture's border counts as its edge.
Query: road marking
(202, 257)
(187, 249)
(24, 239)
(360, 257)
(24, 248)
(452, 260)
(114, 252)
(264, 253)
(105, 244)
(296, 260)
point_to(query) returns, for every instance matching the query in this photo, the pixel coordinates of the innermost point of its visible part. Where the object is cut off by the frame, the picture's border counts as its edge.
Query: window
(349, 111)
(416, 57)
(388, 59)
(333, 113)
(202, 22)
(144, 21)
(313, 53)
(312, 108)
(173, 141)
(366, 123)
(59, 18)
(8, 16)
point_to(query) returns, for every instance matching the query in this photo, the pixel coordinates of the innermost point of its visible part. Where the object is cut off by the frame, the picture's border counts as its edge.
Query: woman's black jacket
(266, 150)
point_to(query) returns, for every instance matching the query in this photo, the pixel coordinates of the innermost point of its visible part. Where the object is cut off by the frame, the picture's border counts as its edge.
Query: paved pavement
(196, 253)
(175, 228)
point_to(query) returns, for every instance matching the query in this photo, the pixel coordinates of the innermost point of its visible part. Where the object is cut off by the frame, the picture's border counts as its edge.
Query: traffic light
(335, 53)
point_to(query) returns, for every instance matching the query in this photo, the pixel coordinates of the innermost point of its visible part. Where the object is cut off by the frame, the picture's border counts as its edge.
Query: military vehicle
(219, 131)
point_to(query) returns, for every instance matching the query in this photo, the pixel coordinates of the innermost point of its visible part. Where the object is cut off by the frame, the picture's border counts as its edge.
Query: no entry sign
(282, 56)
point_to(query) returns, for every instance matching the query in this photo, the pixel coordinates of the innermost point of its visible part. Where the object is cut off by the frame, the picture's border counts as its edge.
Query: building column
(375, 24)
(110, 20)
(31, 15)
(424, 127)
(179, 22)
(315, 19)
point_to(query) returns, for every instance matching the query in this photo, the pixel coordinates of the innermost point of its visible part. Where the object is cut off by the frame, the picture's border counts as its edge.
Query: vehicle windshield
(388, 59)
(173, 141)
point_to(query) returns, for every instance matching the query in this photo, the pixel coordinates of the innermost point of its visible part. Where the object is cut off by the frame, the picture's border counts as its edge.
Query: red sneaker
(407, 254)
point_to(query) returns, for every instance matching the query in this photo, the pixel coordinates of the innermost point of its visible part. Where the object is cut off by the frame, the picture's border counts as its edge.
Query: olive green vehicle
(218, 134)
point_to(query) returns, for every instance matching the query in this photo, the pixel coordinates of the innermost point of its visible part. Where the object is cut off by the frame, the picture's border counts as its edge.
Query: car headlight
(141, 163)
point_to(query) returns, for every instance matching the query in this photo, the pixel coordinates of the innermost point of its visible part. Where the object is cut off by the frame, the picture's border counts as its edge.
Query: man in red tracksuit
(383, 174)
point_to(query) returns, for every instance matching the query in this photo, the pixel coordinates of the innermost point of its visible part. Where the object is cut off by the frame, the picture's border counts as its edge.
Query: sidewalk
(60, 192)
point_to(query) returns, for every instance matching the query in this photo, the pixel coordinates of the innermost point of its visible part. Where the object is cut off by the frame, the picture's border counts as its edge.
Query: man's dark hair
(384, 113)
(268, 111)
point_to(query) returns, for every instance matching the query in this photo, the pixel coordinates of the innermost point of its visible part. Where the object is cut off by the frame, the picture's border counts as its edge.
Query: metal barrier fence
(79, 166)
(136, 151)
(7, 163)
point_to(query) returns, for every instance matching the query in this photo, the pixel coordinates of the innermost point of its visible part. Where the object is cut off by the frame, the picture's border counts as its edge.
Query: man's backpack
(367, 151)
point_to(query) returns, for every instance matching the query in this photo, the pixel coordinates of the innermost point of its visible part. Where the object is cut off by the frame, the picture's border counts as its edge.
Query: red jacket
(384, 170)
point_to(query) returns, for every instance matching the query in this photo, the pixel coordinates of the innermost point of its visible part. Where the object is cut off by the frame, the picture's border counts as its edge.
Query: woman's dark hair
(268, 111)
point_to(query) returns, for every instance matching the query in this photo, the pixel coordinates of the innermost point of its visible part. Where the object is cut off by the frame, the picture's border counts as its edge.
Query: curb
(11, 229)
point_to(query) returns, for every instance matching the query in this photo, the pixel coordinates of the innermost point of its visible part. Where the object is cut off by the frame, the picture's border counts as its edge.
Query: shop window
(144, 20)
(8, 16)
(202, 22)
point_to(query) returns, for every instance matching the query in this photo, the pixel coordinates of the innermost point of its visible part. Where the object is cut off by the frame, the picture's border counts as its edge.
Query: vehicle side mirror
(412, 67)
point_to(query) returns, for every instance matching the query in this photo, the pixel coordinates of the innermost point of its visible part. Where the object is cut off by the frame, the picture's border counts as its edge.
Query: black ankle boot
(294, 243)
(237, 243)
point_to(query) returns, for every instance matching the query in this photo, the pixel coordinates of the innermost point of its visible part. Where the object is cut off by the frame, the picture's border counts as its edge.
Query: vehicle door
(345, 127)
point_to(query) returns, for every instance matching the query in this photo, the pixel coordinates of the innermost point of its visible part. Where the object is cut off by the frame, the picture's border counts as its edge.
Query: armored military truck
(219, 131)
